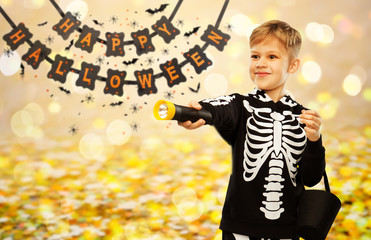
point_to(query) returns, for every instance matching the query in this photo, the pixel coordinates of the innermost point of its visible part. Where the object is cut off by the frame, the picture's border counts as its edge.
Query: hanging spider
(49, 39)
(113, 19)
(165, 51)
(73, 129)
(150, 61)
(89, 98)
(169, 95)
(77, 15)
(8, 52)
(134, 24)
(134, 108)
(100, 60)
(134, 126)
(180, 22)
(229, 27)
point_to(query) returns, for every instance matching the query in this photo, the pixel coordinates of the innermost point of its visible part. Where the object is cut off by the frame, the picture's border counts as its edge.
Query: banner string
(126, 82)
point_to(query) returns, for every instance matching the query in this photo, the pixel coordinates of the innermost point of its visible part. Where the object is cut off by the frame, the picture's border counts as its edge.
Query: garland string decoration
(115, 79)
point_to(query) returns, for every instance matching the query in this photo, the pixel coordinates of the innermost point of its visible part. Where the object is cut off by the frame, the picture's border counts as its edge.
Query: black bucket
(317, 211)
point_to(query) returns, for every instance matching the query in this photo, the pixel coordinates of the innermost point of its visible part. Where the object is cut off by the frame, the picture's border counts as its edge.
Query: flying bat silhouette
(133, 61)
(116, 103)
(22, 70)
(187, 34)
(98, 23)
(195, 90)
(69, 46)
(42, 24)
(160, 9)
(65, 90)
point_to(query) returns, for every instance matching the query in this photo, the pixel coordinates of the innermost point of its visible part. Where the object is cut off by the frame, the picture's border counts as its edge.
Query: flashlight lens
(162, 110)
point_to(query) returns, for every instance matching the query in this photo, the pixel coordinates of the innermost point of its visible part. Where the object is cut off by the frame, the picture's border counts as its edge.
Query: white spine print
(278, 137)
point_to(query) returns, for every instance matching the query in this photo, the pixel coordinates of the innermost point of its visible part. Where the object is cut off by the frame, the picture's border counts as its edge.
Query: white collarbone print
(279, 138)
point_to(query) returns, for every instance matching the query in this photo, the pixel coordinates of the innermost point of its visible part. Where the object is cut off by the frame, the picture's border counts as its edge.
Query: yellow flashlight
(165, 110)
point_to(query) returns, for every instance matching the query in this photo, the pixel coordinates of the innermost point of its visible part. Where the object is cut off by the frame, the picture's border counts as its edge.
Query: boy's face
(270, 66)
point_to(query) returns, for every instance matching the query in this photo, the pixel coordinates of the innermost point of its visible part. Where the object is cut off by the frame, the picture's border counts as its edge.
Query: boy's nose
(261, 63)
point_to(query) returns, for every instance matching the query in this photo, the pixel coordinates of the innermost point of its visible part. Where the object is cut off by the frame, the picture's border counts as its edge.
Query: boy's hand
(188, 124)
(312, 121)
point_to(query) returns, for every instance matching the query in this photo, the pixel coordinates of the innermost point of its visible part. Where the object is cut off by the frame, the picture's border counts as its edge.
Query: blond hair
(282, 31)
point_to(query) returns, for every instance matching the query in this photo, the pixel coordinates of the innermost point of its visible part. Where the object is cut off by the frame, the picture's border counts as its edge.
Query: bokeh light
(240, 23)
(34, 4)
(216, 84)
(10, 63)
(311, 71)
(79, 6)
(352, 85)
(91, 146)
(119, 132)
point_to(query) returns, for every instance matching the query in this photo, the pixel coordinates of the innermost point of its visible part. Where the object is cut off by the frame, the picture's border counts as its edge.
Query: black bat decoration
(153, 11)
(98, 23)
(187, 34)
(42, 24)
(195, 90)
(69, 46)
(22, 70)
(116, 103)
(65, 90)
(133, 61)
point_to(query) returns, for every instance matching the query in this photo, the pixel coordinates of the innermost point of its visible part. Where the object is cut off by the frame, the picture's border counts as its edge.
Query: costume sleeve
(313, 163)
(225, 113)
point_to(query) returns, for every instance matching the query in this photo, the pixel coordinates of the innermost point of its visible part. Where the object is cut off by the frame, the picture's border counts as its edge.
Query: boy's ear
(294, 65)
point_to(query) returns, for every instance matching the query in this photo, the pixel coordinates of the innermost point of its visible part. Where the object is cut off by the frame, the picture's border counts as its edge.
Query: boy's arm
(188, 124)
(313, 161)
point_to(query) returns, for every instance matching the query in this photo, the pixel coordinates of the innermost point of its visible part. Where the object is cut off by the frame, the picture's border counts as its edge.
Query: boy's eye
(254, 56)
(272, 57)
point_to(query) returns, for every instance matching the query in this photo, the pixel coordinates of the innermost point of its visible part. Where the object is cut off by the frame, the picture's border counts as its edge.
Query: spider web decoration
(115, 43)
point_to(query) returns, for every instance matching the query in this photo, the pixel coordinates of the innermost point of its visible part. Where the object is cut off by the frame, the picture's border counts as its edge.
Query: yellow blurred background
(74, 167)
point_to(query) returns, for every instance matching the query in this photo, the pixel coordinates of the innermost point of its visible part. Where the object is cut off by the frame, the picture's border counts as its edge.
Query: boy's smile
(270, 67)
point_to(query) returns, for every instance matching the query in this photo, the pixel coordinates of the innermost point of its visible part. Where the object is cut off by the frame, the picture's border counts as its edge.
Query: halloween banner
(116, 42)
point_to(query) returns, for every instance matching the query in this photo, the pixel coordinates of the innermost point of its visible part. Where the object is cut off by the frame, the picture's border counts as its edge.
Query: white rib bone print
(278, 137)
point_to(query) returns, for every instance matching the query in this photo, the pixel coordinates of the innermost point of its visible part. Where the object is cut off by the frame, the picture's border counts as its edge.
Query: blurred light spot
(240, 23)
(119, 132)
(36, 112)
(270, 13)
(34, 4)
(99, 123)
(328, 34)
(190, 212)
(184, 194)
(250, 29)
(367, 94)
(22, 123)
(360, 72)
(91, 146)
(54, 107)
(216, 84)
(151, 145)
(286, 3)
(137, 230)
(324, 97)
(9, 65)
(311, 71)
(314, 31)
(352, 85)
(46, 209)
(78, 6)
(24, 173)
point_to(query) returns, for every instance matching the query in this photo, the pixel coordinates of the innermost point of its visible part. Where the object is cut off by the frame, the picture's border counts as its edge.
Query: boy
(276, 142)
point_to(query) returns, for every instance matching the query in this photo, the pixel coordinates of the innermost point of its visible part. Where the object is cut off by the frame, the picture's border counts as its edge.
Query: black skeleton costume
(272, 161)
